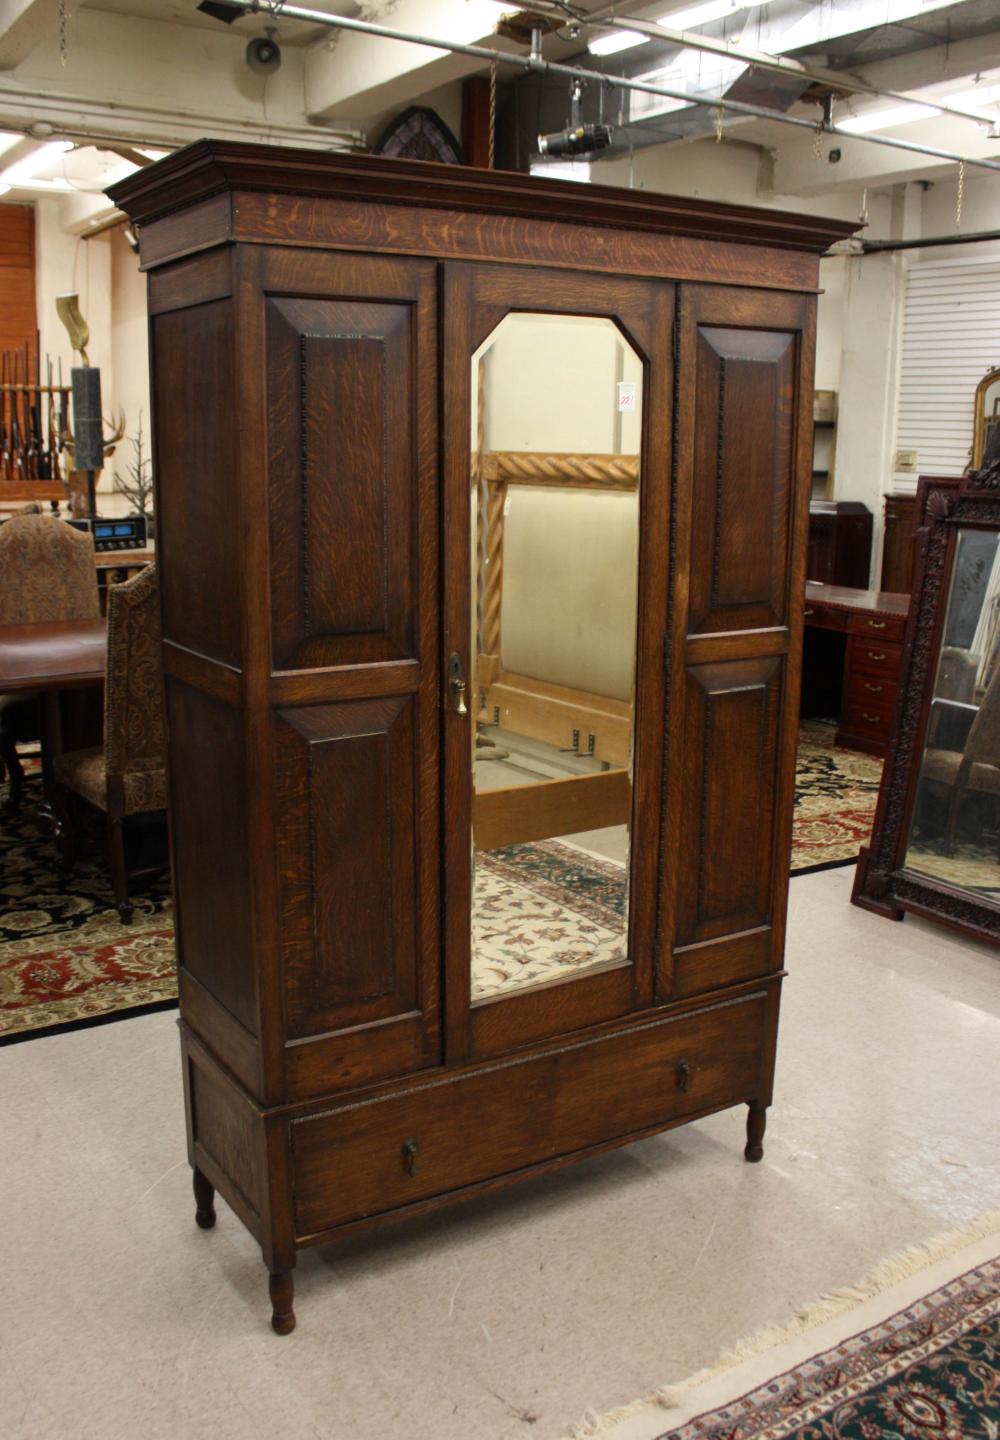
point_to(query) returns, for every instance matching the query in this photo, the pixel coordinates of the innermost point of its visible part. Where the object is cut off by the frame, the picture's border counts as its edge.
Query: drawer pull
(809, 612)
(683, 1075)
(409, 1148)
(877, 624)
(876, 654)
(875, 689)
(872, 719)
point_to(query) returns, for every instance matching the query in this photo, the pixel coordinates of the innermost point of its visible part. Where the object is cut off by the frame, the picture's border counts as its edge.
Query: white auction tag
(626, 395)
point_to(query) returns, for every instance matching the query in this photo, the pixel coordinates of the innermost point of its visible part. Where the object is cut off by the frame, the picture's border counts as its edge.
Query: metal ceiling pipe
(574, 72)
(778, 64)
(975, 237)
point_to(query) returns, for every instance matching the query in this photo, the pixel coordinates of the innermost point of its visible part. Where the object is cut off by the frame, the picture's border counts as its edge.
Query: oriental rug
(836, 791)
(910, 1353)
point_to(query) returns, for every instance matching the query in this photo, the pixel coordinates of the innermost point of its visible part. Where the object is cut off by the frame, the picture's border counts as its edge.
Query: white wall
(130, 349)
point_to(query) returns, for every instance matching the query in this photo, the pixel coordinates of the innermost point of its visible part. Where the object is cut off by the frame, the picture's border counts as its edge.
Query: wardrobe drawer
(878, 657)
(877, 627)
(825, 617)
(437, 1137)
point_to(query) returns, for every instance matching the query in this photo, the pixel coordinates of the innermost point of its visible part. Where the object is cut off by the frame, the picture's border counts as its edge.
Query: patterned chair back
(134, 733)
(47, 572)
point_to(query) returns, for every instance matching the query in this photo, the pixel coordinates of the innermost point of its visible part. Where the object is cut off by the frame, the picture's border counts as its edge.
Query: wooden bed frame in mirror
(945, 740)
(314, 326)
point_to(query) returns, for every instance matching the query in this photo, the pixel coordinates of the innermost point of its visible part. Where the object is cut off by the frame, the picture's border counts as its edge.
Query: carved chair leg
(119, 873)
(15, 771)
(204, 1199)
(281, 1284)
(756, 1123)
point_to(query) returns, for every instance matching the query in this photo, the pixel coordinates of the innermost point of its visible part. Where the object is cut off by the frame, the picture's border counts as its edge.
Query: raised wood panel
(18, 317)
(730, 743)
(223, 1128)
(196, 459)
(341, 468)
(744, 466)
(208, 818)
(346, 852)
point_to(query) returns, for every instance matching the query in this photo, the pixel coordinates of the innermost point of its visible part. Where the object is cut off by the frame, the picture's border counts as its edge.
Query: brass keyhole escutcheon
(409, 1149)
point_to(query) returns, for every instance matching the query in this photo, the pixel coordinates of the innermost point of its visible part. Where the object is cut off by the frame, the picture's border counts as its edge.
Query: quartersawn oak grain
(312, 474)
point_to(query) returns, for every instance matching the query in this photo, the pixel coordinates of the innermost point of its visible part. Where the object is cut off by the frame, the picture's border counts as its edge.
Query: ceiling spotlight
(219, 10)
(264, 55)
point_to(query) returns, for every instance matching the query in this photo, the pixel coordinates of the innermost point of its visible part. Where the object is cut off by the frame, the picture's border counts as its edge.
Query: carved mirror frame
(991, 378)
(882, 882)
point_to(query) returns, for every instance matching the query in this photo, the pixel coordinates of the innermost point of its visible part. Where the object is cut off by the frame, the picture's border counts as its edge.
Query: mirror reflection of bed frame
(573, 720)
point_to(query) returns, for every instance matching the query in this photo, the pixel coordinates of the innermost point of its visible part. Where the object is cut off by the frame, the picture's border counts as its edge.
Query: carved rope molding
(526, 467)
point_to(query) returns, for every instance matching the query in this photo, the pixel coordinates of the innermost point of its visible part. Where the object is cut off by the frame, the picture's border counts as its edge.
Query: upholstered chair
(47, 573)
(126, 775)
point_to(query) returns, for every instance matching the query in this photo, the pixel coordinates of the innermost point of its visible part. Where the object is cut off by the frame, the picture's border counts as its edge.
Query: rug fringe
(886, 1274)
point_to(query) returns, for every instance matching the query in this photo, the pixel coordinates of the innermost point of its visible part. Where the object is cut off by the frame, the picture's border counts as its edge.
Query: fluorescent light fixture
(8, 139)
(694, 16)
(4, 189)
(27, 168)
(980, 96)
(886, 119)
(153, 154)
(44, 187)
(616, 40)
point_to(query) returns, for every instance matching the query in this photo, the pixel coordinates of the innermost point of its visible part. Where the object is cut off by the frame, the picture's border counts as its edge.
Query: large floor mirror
(555, 473)
(936, 842)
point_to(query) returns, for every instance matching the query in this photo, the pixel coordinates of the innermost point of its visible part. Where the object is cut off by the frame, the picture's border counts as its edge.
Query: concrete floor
(512, 1315)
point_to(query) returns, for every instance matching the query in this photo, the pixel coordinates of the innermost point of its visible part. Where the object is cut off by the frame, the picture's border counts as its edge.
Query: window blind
(951, 337)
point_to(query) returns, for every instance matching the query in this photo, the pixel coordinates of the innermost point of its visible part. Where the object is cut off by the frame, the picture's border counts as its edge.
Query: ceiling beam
(25, 24)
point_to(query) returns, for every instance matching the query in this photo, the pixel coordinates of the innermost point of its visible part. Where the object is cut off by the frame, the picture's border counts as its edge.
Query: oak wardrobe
(482, 506)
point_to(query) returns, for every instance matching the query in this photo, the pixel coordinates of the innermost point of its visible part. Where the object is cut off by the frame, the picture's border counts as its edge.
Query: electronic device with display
(128, 533)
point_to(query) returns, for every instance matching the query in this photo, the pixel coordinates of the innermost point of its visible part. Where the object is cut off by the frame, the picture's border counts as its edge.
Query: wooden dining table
(48, 660)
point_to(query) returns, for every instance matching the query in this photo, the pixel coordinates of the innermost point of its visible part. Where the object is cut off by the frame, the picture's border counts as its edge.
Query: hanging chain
(960, 195)
(818, 143)
(493, 111)
(63, 33)
(718, 125)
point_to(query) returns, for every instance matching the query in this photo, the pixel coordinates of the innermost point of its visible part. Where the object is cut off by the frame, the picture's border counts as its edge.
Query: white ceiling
(185, 12)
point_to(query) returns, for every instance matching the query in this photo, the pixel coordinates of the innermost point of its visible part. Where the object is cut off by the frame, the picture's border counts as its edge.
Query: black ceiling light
(219, 10)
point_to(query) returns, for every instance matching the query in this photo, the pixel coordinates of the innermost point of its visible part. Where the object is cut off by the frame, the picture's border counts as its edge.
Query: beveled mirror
(936, 840)
(556, 427)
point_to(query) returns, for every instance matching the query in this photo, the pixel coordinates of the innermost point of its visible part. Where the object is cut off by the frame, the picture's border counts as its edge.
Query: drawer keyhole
(683, 1075)
(409, 1148)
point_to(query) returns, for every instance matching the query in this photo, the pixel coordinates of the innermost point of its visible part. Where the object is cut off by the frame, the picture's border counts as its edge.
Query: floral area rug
(65, 956)
(836, 791)
(911, 1353)
(541, 910)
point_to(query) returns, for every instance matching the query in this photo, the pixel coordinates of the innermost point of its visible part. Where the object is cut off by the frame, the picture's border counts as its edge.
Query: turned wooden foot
(282, 1288)
(204, 1197)
(756, 1123)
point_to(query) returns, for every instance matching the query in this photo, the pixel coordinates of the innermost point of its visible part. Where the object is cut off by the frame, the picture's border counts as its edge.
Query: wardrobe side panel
(744, 415)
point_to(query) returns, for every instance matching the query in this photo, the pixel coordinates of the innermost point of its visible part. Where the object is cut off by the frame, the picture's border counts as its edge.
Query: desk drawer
(876, 657)
(868, 689)
(469, 1128)
(825, 617)
(874, 722)
(877, 627)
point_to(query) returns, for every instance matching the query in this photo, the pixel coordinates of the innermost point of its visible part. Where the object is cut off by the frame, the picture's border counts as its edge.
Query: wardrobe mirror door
(955, 829)
(556, 436)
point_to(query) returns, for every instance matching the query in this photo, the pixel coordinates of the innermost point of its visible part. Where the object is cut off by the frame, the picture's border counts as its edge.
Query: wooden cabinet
(840, 543)
(323, 329)
(898, 544)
